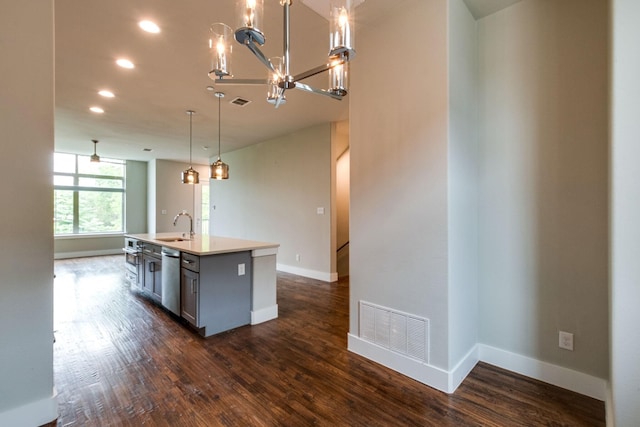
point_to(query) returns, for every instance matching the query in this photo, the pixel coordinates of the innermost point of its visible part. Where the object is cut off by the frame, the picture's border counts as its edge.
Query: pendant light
(219, 169)
(95, 158)
(190, 176)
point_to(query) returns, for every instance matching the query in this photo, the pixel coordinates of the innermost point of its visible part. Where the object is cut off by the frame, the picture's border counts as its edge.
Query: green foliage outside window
(88, 197)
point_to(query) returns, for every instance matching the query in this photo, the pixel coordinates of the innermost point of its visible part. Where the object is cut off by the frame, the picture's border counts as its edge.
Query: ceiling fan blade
(311, 89)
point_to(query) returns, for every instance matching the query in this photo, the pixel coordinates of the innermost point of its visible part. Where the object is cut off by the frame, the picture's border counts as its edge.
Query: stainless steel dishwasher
(171, 279)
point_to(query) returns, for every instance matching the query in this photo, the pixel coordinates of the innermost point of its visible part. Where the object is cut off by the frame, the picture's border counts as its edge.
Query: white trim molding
(413, 368)
(36, 413)
(553, 374)
(312, 274)
(264, 314)
(448, 381)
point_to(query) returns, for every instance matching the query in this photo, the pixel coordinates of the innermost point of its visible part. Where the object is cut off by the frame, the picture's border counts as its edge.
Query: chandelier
(279, 78)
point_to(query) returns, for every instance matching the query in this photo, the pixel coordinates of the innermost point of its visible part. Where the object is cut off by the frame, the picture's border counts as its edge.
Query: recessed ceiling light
(106, 93)
(149, 27)
(125, 63)
(97, 110)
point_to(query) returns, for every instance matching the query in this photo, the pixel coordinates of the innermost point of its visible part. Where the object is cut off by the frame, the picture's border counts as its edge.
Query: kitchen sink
(172, 239)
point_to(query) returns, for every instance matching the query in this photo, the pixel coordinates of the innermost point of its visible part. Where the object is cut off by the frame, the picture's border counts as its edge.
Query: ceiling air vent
(240, 101)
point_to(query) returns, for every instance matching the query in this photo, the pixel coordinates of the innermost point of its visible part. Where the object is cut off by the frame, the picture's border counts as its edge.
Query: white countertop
(203, 244)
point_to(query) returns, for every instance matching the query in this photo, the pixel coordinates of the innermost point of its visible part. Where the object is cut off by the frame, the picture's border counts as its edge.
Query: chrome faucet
(175, 221)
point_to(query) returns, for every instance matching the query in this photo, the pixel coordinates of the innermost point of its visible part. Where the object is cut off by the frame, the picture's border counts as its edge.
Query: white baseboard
(264, 314)
(463, 368)
(608, 407)
(448, 381)
(82, 254)
(312, 274)
(553, 374)
(419, 371)
(32, 414)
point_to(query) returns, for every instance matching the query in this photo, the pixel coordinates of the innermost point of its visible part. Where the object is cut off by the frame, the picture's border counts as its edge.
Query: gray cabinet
(189, 284)
(216, 291)
(152, 271)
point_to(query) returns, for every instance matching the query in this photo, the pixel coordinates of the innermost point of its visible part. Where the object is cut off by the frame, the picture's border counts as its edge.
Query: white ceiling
(171, 76)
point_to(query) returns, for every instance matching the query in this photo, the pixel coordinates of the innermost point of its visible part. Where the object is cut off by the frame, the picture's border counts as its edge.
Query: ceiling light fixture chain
(280, 79)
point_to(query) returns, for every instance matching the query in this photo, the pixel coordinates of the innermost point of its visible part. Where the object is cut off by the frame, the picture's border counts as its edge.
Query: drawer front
(191, 262)
(152, 249)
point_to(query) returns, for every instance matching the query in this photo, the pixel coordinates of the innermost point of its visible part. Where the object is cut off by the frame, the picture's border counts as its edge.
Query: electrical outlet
(241, 269)
(565, 340)
(297, 257)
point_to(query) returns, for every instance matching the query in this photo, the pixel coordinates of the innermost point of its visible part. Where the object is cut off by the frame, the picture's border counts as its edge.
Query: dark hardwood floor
(120, 360)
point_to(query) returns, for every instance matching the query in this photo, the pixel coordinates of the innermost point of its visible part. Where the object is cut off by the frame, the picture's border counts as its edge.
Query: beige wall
(543, 181)
(26, 228)
(167, 195)
(273, 193)
(340, 173)
(398, 146)
(462, 183)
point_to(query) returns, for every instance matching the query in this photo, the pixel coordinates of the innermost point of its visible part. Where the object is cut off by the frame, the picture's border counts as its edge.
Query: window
(88, 197)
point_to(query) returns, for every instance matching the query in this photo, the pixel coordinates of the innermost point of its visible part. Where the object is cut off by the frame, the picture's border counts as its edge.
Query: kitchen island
(215, 283)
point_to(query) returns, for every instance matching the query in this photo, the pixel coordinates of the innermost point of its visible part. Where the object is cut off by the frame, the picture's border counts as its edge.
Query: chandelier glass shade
(249, 14)
(220, 48)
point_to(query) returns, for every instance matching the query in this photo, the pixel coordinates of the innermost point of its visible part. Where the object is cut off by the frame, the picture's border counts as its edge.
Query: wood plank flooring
(120, 360)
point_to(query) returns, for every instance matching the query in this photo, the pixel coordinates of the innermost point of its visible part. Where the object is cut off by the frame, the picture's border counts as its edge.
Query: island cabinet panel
(222, 291)
(152, 271)
(189, 291)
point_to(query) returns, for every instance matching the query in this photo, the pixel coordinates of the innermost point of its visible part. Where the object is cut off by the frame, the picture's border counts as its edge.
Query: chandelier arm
(311, 89)
(317, 70)
(258, 53)
(286, 37)
(247, 82)
(280, 97)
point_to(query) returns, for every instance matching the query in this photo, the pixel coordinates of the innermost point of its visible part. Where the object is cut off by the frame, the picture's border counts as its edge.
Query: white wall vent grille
(399, 332)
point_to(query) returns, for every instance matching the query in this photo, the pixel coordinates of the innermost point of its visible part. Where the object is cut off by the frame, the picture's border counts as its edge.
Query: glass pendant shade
(219, 170)
(339, 79)
(190, 176)
(340, 27)
(273, 90)
(249, 14)
(94, 157)
(220, 47)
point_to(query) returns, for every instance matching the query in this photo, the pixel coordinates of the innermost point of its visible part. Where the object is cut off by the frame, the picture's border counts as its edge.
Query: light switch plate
(241, 269)
(320, 211)
(565, 340)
